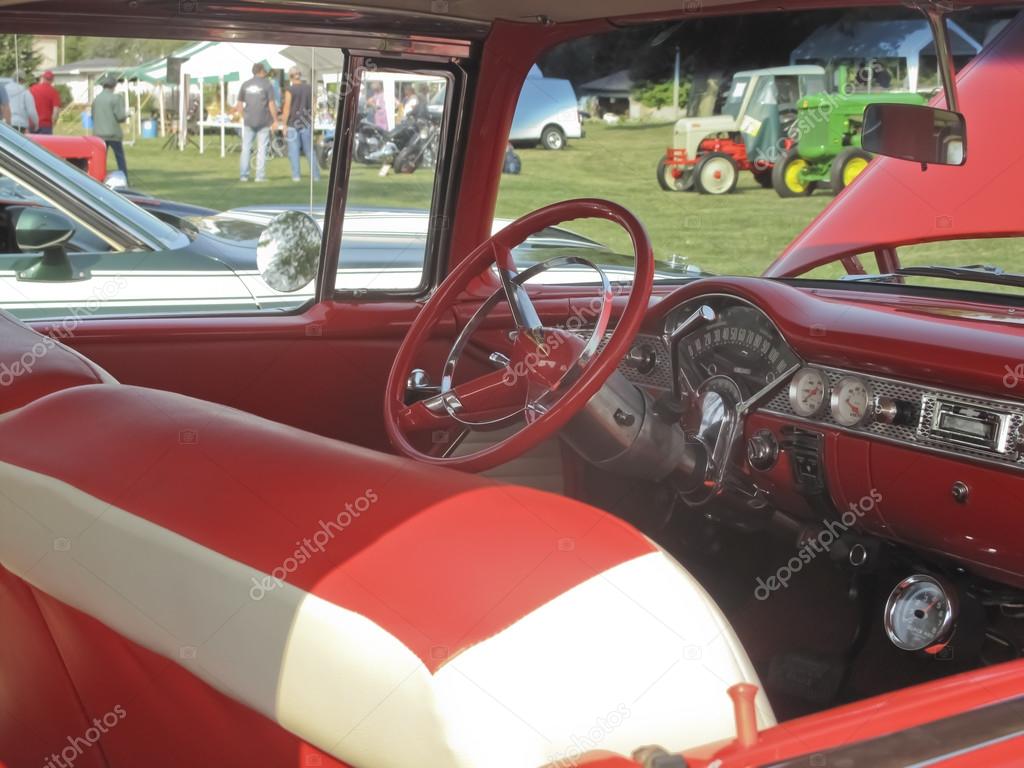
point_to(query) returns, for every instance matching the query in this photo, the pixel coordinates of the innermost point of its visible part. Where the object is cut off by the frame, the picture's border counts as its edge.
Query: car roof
(467, 17)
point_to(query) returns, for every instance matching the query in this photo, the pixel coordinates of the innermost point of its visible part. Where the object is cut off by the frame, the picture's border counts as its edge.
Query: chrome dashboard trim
(913, 435)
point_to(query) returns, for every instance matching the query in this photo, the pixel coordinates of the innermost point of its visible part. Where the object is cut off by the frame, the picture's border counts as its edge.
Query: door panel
(323, 370)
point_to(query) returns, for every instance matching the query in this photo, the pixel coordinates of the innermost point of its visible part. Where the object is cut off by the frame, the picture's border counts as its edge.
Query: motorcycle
(420, 150)
(410, 145)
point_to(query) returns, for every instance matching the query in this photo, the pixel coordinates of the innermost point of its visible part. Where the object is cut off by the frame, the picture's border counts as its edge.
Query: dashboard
(845, 396)
(889, 415)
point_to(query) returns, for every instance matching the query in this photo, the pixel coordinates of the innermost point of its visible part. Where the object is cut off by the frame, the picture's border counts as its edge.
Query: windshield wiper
(977, 273)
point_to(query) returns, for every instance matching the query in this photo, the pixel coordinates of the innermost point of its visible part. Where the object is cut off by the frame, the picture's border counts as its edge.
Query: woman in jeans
(298, 120)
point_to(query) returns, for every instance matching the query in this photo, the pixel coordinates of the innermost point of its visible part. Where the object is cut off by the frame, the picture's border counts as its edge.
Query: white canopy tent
(221, 63)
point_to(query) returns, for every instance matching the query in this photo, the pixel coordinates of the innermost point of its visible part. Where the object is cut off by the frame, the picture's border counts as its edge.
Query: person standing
(258, 109)
(23, 107)
(108, 113)
(377, 106)
(5, 106)
(48, 102)
(297, 117)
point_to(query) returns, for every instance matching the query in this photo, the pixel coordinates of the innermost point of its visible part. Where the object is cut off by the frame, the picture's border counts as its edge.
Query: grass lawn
(740, 233)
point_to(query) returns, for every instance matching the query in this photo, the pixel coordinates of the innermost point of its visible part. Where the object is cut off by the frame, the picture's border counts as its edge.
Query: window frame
(447, 170)
(455, 54)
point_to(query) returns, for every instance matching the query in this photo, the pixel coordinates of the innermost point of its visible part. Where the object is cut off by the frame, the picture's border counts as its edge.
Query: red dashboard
(934, 494)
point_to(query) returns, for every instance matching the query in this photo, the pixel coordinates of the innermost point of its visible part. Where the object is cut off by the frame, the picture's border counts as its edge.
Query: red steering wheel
(551, 372)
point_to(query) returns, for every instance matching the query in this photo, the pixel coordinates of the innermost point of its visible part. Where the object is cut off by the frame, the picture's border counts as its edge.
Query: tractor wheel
(787, 176)
(716, 174)
(847, 166)
(764, 178)
(672, 183)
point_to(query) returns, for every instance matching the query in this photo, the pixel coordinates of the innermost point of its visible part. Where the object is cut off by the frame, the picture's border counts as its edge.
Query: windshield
(729, 138)
(66, 177)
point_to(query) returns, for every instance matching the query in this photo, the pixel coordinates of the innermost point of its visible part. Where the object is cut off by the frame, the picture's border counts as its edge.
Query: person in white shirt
(23, 106)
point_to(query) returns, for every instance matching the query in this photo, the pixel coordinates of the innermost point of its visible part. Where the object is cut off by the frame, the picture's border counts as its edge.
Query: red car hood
(894, 203)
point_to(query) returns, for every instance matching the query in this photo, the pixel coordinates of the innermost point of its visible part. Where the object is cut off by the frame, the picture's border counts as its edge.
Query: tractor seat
(246, 593)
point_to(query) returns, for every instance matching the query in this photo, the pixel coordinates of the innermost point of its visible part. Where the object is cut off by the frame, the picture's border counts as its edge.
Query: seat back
(33, 365)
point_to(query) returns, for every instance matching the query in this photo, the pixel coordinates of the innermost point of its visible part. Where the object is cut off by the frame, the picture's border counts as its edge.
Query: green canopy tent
(154, 72)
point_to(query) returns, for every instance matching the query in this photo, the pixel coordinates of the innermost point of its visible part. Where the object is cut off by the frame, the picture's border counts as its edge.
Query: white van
(546, 112)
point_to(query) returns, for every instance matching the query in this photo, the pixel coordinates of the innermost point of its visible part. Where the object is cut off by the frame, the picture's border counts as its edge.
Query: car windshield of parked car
(728, 136)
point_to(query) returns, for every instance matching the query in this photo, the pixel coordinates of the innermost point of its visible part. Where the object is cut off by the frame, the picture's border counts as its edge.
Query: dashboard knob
(642, 358)
(762, 450)
(960, 492)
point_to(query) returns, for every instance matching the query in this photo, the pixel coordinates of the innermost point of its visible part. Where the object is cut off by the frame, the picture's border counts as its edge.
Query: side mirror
(288, 251)
(116, 180)
(41, 229)
(911, 132)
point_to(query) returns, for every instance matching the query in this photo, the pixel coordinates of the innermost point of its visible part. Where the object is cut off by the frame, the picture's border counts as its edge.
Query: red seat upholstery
(273, 589)
(32, 365)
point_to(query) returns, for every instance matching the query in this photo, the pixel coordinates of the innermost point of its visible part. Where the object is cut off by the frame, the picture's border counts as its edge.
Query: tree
(27, 59)
(127, 51)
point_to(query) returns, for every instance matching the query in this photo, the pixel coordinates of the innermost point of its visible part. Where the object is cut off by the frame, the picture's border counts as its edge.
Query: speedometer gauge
(740, 343)
(807, 392)
(920, 614)
(852, 401)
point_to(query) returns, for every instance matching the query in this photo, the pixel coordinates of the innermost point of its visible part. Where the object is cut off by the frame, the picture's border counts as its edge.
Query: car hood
(392, 239)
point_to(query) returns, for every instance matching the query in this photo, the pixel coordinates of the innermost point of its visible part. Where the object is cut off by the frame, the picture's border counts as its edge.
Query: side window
(390, 200)
(166, 169)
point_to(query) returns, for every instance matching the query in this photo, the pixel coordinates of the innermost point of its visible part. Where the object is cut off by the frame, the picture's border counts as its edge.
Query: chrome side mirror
(288, 251)
(911, 132)
(116, 180)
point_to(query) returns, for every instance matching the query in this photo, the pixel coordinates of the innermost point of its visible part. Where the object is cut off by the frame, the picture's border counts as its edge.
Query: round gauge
(807, 392)
(852, 401)
(920, 614)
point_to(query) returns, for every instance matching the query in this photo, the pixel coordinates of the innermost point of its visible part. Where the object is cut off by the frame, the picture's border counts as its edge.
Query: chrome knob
(642, 358)
(960, 492)
(762, 450)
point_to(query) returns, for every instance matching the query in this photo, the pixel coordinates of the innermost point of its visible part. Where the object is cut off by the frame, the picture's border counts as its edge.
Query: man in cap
(48, 102)
(108, 113)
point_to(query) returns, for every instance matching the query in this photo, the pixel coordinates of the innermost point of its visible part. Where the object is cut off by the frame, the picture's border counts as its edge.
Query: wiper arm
(977, 273)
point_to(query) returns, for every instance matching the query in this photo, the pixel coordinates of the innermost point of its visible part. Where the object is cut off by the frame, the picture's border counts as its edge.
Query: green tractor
(709, 151)
(826, 141)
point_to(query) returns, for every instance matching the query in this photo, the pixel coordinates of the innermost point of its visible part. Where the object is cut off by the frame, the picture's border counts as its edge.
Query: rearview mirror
(288, 251)
(911, 132)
